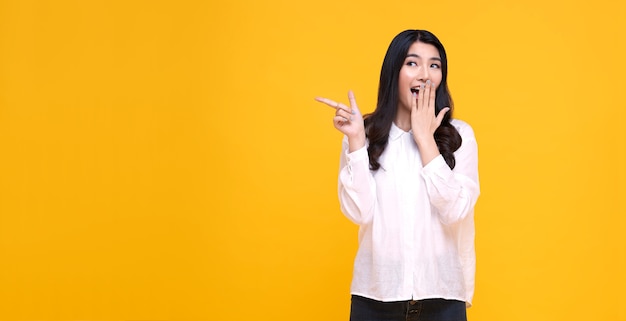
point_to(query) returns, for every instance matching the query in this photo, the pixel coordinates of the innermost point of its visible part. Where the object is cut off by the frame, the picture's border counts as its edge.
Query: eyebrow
(417, 56)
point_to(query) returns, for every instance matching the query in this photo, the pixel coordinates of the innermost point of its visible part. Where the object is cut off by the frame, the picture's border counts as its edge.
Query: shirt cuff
(357, 155)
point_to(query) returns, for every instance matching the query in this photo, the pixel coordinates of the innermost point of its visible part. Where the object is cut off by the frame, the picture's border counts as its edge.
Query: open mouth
(415, 90)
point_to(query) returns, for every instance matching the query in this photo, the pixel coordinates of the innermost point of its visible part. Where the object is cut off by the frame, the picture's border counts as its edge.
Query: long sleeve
(356, 186)
(453, 193)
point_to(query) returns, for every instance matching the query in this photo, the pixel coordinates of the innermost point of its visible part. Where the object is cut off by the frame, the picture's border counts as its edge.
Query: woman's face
(422, 63)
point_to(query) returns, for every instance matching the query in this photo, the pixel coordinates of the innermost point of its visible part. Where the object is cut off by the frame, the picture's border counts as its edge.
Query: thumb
(441, 114)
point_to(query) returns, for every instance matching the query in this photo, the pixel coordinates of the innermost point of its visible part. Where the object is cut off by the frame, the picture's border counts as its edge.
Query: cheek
(403, 96)
(437, 81)
(404, 76)
(438, 77)
(403, 81)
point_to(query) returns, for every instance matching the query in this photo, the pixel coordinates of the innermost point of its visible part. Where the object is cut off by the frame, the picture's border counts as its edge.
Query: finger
(339, 121)
(420, 97)
(342, 107)
(432, 94)
(427, 92)
(353, 106)
(413, 100)
(442, 114)
(344, 114)
(333, 104)
(327, 101)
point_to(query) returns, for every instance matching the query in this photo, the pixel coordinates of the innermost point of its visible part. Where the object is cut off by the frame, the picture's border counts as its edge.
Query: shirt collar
(396, 132)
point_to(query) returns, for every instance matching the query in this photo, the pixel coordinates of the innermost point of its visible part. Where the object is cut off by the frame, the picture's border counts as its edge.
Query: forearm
(428, 148)
(357, 189)
(454, 192)
(453, 195)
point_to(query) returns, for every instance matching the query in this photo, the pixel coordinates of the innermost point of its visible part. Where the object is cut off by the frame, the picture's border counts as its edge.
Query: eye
(411, 63)
(436, 66)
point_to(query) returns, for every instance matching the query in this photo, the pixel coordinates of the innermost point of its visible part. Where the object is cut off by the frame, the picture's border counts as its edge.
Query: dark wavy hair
(378, 123)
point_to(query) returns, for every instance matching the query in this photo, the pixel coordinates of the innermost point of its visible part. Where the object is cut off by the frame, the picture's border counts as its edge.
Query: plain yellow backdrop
(165, 160)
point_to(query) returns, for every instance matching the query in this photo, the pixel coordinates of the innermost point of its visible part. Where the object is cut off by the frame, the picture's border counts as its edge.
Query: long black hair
(378, 123)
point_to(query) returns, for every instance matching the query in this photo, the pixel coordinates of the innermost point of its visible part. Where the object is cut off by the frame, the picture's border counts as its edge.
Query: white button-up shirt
(416, 223)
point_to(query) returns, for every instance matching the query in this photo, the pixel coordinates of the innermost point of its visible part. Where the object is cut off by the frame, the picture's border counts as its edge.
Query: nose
(423, 74)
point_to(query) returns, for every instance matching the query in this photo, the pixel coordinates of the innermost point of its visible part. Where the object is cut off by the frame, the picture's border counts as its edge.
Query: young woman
(409, 178)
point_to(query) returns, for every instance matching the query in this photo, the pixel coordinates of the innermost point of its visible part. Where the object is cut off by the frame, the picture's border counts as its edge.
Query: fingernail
(422, 86)
(353, 112)
(428, 82)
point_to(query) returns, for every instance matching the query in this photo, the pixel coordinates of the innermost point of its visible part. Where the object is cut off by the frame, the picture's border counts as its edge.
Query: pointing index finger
(328, 102)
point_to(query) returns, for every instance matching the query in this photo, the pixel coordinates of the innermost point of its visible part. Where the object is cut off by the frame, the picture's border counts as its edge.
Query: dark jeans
(364, 309)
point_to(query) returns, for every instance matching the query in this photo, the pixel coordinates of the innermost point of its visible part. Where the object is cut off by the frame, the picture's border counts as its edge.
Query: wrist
(424, 140)
(356, 142)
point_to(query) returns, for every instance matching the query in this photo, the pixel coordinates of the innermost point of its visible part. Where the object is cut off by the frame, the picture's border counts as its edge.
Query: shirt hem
(401, 299)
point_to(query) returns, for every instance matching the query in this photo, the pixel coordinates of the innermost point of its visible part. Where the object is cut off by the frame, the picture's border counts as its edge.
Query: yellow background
(165, 160)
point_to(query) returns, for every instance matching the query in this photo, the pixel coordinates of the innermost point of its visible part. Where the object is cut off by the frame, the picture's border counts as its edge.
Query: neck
(403, 119)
